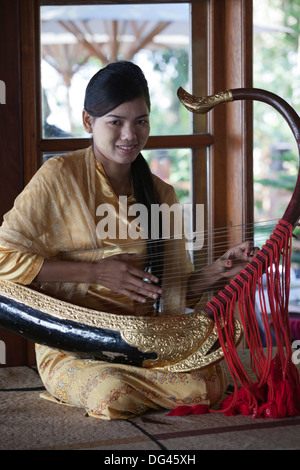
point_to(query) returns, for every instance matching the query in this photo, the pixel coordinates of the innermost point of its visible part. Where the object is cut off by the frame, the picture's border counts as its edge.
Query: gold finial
(204, 104)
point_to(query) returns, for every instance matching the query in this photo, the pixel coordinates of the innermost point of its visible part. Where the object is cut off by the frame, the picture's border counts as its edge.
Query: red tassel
(276, 392)
(189, 410)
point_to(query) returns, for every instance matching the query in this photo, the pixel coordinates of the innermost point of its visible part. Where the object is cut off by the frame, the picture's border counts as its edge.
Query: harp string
(245, 229)
(176, 265)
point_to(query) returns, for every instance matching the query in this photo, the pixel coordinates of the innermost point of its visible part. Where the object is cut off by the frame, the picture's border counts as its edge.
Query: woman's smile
(127, 148)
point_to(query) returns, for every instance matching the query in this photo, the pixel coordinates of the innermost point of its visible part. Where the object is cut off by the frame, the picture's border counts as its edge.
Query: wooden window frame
(34, 144)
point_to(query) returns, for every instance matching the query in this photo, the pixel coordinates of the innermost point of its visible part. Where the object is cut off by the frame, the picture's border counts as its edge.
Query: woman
(53, 237)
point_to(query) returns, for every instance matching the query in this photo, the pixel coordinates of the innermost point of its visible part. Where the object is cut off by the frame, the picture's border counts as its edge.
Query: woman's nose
(128, 132)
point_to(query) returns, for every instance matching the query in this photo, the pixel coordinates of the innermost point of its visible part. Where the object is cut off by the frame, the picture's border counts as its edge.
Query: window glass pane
(47, 155)
(78, 40)
(276, 161)
(174, 167)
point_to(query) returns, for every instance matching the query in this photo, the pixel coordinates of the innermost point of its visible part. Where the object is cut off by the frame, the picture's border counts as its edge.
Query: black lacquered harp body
(176, 343)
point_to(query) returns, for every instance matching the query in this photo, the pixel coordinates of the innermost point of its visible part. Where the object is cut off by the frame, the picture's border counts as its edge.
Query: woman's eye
(115, 122)
(142, 122)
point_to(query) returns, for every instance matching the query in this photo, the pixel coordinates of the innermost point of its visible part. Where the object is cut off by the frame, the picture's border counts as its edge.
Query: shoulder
(55, 180)
(165, 190)
(65, 162)
(56, 169)
(56, 172)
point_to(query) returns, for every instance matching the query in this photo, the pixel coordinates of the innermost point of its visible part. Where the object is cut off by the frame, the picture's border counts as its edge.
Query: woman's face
(120, 135)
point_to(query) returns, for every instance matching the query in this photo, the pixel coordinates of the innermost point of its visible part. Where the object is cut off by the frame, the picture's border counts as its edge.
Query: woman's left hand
(235, 259)
(217, 274)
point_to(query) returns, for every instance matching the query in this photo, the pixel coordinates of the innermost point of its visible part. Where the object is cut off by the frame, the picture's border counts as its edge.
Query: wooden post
(11, 175)
(231, 124)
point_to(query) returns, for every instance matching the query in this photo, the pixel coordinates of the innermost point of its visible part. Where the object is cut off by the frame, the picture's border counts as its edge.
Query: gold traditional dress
(56, 217)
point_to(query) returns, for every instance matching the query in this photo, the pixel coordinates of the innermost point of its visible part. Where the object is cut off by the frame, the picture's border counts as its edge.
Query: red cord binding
(275, 391)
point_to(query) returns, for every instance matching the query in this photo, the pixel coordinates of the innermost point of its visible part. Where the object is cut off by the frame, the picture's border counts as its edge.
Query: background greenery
(276, 68)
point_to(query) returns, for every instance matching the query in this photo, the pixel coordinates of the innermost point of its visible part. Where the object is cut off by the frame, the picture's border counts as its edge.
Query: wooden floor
(29, 422)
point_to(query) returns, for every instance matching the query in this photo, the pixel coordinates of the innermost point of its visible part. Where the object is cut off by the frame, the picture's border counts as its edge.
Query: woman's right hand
(119, 274)
(116, 273)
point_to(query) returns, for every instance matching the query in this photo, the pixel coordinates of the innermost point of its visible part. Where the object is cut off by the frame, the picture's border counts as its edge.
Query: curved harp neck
(203, 105)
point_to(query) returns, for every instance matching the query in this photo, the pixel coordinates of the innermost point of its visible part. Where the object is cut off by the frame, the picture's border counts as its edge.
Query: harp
(184, 343)
(277, 390)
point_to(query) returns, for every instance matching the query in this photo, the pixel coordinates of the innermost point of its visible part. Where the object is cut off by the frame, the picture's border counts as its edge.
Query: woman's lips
(127, 148)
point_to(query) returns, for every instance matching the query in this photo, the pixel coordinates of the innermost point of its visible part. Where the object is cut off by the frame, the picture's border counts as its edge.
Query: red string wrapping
(275, 390)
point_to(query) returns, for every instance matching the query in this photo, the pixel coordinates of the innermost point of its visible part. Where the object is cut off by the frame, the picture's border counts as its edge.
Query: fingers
(132, 295)
(248, 248)
(244, 251)
(141, 282)
(139, 293)
(231, 267)
(133, 270)
(143, 275)
(118, 274)
(237, 258)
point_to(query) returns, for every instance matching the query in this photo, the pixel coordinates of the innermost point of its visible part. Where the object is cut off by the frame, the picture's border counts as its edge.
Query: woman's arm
(116, 273)
(16, 266)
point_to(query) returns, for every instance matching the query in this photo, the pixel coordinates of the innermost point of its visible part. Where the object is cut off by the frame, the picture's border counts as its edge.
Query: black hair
(113, 85)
